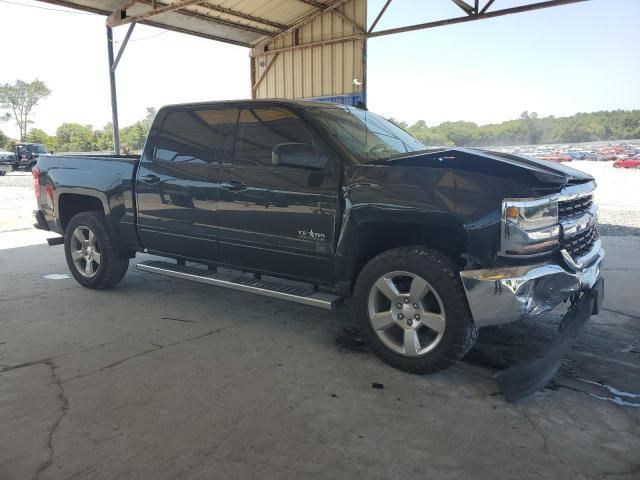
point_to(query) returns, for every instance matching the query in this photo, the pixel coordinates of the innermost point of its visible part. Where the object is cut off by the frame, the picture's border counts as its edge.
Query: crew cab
(313, 203)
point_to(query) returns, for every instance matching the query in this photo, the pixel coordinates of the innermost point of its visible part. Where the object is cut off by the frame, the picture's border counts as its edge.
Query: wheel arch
(370, 239)
(70, 204)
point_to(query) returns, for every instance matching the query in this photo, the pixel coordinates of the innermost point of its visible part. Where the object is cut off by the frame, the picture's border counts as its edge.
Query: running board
(282, 289)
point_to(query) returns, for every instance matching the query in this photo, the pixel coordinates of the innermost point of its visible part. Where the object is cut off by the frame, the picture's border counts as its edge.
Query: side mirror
(301, 155)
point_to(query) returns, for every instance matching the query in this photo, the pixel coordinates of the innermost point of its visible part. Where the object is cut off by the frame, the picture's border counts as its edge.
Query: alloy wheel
(406, 313)
(85, 251)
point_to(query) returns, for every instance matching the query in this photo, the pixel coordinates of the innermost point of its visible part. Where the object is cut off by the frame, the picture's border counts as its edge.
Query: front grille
(575, 207)
(580, 244)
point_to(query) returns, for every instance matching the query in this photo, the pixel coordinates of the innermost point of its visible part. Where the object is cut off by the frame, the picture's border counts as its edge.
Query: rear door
(177, 187)
(277, 218)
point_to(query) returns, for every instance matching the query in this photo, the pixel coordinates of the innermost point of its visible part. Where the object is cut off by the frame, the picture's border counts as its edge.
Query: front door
(177, 189)
(277, 218)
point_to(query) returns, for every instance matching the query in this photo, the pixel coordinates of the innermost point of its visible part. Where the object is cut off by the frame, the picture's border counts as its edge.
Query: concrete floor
(164, 379)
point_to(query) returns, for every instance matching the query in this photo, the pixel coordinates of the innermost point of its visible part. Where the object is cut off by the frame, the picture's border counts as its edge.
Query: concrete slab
(161, 378)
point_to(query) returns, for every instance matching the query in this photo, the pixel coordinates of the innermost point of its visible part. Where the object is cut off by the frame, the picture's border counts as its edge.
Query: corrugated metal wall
(319, 71)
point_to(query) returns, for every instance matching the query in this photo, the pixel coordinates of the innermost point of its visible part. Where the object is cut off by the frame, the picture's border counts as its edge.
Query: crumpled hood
(571, 174)
(543, 173)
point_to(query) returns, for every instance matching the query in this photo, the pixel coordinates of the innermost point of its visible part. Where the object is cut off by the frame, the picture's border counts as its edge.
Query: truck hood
(547, 174)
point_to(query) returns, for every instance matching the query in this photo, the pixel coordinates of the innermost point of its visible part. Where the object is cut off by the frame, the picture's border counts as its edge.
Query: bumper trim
(504, 295)
(525, 378)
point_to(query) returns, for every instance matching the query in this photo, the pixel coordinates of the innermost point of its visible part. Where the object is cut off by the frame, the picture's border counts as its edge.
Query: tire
(93, 256)
(444, 330)
(2, 173)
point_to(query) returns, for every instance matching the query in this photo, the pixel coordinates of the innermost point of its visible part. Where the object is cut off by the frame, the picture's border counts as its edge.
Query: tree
(3, 140)
(21, 98)
(73, 137)
(36, 135)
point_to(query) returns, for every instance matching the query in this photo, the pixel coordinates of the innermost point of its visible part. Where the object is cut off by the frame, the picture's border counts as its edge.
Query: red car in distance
(557, 157)
(631, 162)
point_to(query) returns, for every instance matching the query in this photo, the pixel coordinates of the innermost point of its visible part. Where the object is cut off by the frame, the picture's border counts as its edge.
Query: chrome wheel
(85, 251)
(406, 313)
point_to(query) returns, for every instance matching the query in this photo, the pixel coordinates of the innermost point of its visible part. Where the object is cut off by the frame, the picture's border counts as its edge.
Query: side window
(196, 136)
(259, 129)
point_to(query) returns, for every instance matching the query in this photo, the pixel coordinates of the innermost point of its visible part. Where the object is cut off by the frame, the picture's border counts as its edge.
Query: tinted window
(259, 129)
(366, 135)
(195, 136)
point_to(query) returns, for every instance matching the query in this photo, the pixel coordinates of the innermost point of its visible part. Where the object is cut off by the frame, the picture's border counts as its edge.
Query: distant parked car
(631, 162)
(557, 157)
(6, 162)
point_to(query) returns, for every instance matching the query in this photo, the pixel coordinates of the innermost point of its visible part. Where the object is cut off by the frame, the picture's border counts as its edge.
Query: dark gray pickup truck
(313, 202)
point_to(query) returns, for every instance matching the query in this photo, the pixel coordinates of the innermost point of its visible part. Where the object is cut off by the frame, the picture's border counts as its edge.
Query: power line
(79, 13)
(47, 8)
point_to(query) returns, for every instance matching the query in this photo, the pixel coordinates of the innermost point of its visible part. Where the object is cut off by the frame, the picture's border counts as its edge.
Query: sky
(558, 61)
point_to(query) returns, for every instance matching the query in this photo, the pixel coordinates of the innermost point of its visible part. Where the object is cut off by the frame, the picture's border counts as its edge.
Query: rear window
(196, 136)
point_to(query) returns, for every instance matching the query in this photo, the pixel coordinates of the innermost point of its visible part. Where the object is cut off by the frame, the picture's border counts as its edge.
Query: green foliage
(73, 137)
(20, 98)
(36, 135)
(529, 129)
(4, 140)
(134, 136)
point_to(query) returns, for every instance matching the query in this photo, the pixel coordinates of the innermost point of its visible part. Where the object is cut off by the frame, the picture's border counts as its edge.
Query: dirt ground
(164, 379)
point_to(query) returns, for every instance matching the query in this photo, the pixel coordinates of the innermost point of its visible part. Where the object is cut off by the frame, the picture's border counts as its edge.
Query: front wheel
(412, 307)
(92, 254)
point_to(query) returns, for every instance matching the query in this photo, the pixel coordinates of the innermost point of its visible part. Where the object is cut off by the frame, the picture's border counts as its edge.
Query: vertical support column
(114, 97)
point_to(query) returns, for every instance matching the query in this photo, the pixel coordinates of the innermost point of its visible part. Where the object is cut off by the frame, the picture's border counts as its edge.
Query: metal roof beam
(331, 41)
(375, 22)
(244, 16)
(471, 18)
(320, 6)
(486, 7)
(259, 49)
(119, 17)
(468, 9)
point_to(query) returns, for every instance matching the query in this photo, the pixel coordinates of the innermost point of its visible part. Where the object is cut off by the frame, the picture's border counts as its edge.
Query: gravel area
(17, 202)
(618, 196)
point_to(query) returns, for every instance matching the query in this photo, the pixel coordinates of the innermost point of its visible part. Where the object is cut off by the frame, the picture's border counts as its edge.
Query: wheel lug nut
(406, 300)
(417, 317)
(409, 322)
(400, 316)
(415, 305)
(399, 305)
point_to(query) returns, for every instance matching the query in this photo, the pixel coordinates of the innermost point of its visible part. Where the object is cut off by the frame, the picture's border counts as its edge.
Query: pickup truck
(27, 154)
(314, 203)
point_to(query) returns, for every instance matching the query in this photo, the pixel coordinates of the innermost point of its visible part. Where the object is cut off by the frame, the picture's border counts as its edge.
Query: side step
(281, 289)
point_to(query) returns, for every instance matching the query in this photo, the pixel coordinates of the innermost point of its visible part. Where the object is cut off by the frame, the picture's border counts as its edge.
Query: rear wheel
(411, 305)
(92, 254)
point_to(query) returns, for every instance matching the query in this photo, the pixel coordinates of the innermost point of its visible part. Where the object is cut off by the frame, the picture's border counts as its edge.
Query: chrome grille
(574, 207)
(581, 243)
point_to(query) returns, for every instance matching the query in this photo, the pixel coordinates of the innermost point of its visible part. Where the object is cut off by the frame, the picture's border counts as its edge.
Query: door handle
(233, 186)
(150, 179)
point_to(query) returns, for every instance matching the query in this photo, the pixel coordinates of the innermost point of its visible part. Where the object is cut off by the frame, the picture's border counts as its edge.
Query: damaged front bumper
(504, 295)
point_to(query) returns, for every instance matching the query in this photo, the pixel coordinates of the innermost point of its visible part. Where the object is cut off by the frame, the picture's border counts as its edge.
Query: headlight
(529, 226)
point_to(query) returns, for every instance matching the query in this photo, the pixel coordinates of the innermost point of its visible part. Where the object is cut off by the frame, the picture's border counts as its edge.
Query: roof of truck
(277, 101)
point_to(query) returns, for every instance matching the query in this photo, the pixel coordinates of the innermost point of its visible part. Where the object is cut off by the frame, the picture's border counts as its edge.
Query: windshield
(37, 149)
(367, 136)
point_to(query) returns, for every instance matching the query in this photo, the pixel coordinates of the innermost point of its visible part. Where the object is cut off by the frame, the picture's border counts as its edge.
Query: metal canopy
(299, 48)
(252, 23)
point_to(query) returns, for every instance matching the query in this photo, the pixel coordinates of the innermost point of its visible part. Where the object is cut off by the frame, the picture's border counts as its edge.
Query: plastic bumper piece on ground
(524, 379)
